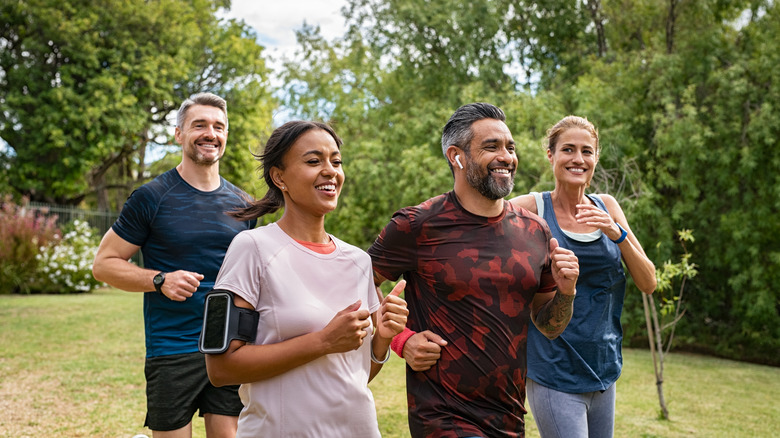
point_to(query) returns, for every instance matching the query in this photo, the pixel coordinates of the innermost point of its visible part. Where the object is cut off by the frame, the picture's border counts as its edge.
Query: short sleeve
(394, 251)
(242, 269)
(134, 222)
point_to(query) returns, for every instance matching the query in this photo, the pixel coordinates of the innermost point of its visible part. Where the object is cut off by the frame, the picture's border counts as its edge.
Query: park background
(684, 93)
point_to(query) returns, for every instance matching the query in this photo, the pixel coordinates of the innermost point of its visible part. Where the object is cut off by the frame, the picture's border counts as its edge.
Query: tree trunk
(656, 349)
(670, 22)
(595, 12)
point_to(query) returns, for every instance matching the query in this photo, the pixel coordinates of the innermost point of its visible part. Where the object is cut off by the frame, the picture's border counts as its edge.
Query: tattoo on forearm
(555, 314)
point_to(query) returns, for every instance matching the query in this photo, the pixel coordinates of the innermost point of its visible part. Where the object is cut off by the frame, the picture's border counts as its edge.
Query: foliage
(683, 93)
(670, 307)
(65, 266)
(388, 87)
(37, 256)
(87, 89)
(712, 121)
(669, 273)
(23, 232)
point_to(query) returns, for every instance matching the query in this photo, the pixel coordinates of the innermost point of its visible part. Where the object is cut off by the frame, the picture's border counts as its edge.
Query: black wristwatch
(158, 281)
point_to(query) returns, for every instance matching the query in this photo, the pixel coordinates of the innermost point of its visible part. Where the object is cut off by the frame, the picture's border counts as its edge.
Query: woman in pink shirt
(324, 329)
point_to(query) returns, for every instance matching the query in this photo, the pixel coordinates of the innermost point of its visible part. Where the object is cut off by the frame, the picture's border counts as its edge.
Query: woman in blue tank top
(571, 379)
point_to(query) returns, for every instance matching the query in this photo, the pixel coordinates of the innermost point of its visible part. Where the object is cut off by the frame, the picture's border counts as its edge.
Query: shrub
(23, 232)
(66, 266)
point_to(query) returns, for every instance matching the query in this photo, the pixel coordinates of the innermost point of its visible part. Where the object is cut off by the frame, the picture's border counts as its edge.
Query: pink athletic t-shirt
(298, 291)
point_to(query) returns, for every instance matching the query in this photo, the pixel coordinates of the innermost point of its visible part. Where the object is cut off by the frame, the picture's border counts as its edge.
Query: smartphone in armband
(223, 321)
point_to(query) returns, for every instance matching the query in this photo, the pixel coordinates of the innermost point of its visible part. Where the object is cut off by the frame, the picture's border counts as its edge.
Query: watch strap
(158, 285)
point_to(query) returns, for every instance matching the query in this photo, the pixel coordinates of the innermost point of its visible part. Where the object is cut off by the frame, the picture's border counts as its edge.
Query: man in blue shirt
(178, 222)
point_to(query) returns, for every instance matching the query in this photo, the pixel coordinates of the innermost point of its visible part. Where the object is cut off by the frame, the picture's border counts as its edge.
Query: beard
(198, 158)
(488, 186)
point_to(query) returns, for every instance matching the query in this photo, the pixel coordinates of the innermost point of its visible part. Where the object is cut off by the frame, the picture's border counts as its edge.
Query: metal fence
(101, 220)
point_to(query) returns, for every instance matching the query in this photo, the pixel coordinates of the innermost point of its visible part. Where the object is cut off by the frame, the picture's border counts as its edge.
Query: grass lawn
(72, 366)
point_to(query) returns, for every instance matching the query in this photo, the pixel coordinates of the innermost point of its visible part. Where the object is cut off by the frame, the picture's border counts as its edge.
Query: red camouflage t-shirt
(471, 280)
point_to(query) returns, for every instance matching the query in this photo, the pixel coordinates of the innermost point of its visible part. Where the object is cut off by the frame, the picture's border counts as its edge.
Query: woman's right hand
(346, 331)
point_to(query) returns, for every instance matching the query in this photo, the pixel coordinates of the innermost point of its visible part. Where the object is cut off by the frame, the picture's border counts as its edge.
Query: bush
(66, 266)
(22, 233)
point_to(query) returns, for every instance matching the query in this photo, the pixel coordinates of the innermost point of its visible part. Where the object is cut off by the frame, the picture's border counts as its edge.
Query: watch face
(159, 279)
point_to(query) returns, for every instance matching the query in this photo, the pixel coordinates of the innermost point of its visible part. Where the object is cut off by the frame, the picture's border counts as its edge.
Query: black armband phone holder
(223, 321)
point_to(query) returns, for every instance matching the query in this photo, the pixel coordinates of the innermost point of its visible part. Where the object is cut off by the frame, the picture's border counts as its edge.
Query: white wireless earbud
(457, 160)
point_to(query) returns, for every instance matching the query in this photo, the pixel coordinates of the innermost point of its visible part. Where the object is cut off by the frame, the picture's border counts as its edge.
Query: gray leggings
(563, 415)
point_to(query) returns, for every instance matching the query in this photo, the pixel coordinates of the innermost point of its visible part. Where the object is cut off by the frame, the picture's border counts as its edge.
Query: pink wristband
(399, 340)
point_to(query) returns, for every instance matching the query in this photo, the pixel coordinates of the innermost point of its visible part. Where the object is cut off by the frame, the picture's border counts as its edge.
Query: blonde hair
(566, 123)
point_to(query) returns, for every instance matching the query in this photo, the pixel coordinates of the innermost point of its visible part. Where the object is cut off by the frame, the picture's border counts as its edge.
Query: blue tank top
(587, 356)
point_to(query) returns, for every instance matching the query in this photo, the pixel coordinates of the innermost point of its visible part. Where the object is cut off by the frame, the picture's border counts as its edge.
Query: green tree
(684, 102)
(87, 87)
(684, 95)
(388, 86)
(670, 307)
(712, 154)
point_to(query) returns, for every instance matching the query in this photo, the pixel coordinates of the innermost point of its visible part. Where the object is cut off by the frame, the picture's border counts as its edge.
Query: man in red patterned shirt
(478, 271)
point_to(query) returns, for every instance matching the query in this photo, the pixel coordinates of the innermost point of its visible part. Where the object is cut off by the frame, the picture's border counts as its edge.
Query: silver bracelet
(377, 361)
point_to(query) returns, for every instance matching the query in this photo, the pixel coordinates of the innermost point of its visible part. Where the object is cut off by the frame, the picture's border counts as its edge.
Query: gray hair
(207, 99)
(458, 131)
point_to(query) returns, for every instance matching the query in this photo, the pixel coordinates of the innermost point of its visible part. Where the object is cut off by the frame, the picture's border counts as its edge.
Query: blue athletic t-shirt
(179, 227)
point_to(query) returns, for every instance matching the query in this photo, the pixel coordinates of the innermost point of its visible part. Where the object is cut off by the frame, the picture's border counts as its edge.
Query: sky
(275, 21)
